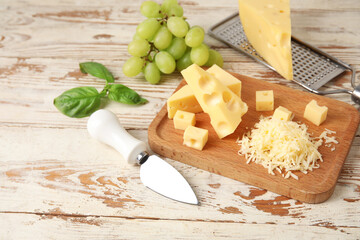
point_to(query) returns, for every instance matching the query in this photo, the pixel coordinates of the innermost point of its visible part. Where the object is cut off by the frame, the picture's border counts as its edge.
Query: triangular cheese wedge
(267, 26)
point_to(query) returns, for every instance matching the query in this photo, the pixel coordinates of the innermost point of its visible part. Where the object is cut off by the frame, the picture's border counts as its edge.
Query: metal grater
(312, 68)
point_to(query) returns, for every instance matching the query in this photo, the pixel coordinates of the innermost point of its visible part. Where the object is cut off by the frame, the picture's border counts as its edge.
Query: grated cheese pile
(284, 146)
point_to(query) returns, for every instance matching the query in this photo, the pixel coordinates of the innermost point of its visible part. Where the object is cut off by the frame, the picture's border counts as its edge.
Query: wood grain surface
(221, 156)
(58, 183)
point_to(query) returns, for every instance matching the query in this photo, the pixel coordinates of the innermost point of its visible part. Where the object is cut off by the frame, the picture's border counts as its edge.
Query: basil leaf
(79, 102)
(97, 70)
(123, 94)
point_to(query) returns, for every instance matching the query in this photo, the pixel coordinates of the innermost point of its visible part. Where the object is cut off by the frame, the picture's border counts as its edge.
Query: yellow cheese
(226, 78)
(282, 113)
(314, 113)
(264, 100)
(284, 146)
(184, 119)
(267, 26)
(184, 98)
(223, 106)
(195, 137)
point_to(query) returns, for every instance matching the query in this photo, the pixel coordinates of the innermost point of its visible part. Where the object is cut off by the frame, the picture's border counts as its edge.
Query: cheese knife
(155, 173)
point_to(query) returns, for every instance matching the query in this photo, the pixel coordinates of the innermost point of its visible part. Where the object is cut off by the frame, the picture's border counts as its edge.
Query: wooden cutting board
(220, 156)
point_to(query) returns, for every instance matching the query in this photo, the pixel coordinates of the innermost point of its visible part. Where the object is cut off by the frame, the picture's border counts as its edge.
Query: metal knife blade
(155, 173)
(164, 179)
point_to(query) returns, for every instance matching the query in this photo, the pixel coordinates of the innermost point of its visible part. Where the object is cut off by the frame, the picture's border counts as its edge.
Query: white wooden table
(58, 183)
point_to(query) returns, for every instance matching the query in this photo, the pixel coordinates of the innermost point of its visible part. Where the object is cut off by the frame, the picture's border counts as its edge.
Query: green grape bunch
(165, 42)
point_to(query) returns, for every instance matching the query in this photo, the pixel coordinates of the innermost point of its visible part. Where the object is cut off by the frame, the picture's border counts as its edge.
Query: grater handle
(355, 93)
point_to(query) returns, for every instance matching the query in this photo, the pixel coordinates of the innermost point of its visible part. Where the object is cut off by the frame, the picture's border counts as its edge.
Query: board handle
(104, 126)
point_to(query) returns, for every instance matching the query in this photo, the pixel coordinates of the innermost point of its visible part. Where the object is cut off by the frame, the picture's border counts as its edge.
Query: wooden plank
(105, 30)
(55, 226)
(81, 176)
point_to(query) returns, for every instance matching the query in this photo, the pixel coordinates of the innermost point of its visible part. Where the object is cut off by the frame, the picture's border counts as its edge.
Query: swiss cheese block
(314, 113)
(282, 113)
(184, 98)
(184, 119)
(226, 78)
(267, 26)
(264, 100)
(195, 137)
(224, 107)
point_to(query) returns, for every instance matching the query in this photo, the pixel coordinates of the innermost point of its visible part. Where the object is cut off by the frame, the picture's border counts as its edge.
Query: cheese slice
(184, 99)
(224, 107)
(267, 26)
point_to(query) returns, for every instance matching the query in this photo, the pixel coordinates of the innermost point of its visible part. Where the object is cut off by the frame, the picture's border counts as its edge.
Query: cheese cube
(314, 113)
(267, 26)
(195, 137)
(224, 107)
(226, 78)
(183, 99)
(184, 119)
(264, 100)
(282, 113)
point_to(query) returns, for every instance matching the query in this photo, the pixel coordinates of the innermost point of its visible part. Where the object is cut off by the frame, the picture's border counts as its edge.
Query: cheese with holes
(224, 107)
(184, 99)
(314, 113)
(195, 137)
(184, 119)
(226, 78)
(282, 113)
(264, 100)
(267, 26)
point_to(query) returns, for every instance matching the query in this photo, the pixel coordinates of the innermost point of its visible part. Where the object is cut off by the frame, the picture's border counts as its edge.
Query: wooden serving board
(220, 156)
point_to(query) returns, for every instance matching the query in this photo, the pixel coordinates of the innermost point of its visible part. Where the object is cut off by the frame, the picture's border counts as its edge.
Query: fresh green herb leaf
(83, 101)
(97, 70)
(79, 102)
(123, 94)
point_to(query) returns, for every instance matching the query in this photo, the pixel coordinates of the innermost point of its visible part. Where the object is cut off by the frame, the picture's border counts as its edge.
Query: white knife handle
(104, 126)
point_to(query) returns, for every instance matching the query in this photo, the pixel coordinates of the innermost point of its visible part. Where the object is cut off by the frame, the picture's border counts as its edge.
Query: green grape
(176, 10)
(150, 9)
(195, 36)
(184, 61)
(188, 24)
(177, 26)
(200, 54)
(212, 58)
(219, 59)
(165, 62)
(167, 4)
(139, 48)
(136, 37)
(147, 28)
(177, 48)
(133, 66)
(152, 73)
(162, 38)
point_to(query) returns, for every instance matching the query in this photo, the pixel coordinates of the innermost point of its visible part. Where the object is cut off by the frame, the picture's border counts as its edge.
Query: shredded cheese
(284, 146)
